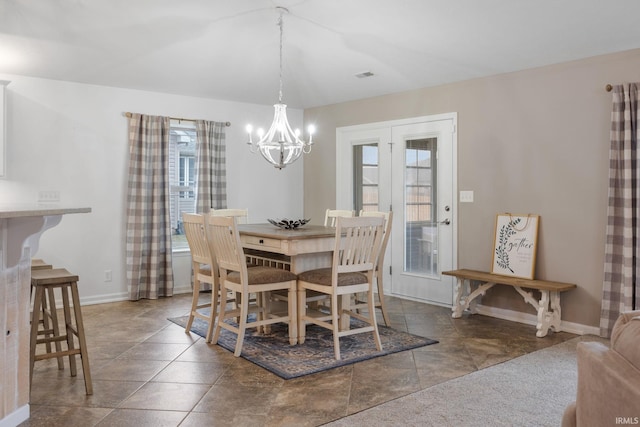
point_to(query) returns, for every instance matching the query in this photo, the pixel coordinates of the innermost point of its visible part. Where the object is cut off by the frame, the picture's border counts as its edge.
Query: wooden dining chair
(379, 268)
(242, 215)
(331, 214)
(355, 253)
(203, 272)
(235, 276)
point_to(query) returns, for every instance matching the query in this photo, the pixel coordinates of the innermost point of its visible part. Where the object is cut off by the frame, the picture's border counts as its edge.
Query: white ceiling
(228, 49)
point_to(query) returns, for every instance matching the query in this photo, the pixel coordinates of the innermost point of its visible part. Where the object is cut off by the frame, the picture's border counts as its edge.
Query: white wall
(72, 138)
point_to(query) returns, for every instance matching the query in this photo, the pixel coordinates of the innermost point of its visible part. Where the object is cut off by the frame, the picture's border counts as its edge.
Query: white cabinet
(3, 128)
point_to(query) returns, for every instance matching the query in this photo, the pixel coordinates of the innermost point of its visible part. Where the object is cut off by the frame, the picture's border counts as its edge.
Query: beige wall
(534, 141)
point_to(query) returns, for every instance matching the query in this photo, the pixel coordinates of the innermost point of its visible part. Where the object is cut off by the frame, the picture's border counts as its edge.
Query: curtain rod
(180, 119)
(608, 88)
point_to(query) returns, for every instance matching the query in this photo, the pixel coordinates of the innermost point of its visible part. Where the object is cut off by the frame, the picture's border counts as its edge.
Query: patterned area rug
(274, 353)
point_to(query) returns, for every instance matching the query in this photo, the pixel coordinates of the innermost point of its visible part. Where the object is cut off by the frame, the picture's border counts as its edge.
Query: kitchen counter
(21, 226)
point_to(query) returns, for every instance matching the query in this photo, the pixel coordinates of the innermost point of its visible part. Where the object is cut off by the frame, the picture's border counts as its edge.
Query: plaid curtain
(149, 269)
(620, 291)
(211, 169)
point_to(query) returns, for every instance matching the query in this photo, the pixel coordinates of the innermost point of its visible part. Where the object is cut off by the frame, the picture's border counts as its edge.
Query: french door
(407, 166)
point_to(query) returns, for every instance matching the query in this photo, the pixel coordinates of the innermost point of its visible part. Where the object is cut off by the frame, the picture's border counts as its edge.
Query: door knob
(445, 222)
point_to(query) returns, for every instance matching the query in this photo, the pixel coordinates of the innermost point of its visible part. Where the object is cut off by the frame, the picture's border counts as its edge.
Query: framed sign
(514, 245)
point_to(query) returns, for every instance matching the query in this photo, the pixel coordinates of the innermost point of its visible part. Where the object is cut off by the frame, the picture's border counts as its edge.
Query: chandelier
(280, 145)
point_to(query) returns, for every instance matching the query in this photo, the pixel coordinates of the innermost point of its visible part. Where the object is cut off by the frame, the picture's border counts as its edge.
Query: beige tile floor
(147, 372)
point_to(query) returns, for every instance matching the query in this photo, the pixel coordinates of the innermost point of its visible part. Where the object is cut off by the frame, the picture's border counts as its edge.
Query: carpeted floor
(531, 390)
(274, 353)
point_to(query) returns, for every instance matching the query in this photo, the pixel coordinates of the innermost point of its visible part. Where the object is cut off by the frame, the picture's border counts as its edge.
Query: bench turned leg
(465, 298)
(552, 316)
(548, 313)
(548, 309)
(458, 305)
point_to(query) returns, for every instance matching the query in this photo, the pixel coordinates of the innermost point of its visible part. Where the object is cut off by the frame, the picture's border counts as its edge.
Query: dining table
(305, 248)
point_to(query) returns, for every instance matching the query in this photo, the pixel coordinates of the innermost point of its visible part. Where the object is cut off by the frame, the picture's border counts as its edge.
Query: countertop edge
(17, 211)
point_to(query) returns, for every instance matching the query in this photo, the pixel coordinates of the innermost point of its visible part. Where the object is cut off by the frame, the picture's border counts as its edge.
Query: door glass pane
(365, 177)
(420, 183)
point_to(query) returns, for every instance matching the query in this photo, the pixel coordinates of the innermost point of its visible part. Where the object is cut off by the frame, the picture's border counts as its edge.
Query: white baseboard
(532, 319)
(16, 417)
(102, 299)
(184, 289)
(122, 296)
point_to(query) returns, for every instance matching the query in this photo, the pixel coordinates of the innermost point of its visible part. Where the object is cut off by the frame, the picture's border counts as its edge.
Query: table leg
(292, 306)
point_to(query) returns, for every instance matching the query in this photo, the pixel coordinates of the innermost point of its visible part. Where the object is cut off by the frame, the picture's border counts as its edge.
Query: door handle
(445, 222)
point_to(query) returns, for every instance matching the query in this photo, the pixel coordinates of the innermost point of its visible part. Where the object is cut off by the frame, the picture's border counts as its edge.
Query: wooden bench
(548, 307)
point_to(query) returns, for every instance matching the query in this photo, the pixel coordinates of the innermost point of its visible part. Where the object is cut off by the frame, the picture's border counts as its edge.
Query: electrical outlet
(107, 275)
(466, 196)
(48, 196)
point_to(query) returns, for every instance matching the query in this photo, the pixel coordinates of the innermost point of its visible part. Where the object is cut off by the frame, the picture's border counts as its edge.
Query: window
(420, 176)
(182, 179)
(365, 177)
(420, 204)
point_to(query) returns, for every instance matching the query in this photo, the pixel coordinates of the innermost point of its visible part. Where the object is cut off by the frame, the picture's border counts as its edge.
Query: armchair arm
(608, 386)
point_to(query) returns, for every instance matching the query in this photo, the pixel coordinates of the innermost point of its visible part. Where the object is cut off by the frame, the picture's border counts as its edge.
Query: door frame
(344, 170)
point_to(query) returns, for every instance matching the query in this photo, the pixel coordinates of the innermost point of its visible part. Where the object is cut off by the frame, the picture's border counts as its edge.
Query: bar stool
(47, 280)
(39, 264)
(48, 319)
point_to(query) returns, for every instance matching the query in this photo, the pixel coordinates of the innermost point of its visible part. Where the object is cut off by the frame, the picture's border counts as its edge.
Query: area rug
(274, 353)
(529, 391)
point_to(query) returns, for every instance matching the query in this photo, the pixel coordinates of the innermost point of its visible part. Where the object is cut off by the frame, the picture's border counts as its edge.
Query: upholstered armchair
(609, 378)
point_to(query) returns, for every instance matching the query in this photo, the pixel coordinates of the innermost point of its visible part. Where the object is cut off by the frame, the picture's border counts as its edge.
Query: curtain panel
(622, 250)
(148, 250)
(211, 170)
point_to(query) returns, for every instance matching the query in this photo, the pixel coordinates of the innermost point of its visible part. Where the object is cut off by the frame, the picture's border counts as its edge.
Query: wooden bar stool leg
(47, 328)
(84, 356)
(37, 304)
(69, 330)
(39, 314)
(53, 312)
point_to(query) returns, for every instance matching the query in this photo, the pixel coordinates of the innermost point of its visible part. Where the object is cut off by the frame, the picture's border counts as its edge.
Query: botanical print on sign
(514, 250)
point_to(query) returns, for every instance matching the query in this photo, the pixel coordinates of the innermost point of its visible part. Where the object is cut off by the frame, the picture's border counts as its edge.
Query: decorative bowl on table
(288, 224)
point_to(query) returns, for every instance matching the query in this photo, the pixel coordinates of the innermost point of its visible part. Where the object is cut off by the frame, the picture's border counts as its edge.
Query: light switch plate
(466, 196)
(49, 196)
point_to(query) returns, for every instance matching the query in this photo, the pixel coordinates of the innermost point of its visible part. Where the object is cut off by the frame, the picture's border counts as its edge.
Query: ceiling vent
(364, 74)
